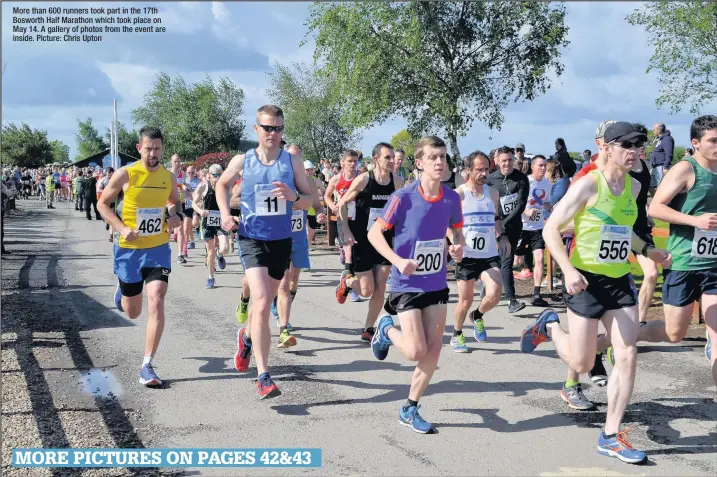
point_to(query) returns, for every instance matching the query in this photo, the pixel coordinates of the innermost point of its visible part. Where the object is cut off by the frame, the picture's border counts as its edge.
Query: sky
(51, 85)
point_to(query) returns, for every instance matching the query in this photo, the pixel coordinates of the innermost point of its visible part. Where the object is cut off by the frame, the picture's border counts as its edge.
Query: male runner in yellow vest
(142, 253)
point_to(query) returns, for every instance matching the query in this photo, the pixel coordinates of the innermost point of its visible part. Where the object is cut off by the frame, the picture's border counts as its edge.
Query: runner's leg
(379, 276)
(647, 289)
(263, 288)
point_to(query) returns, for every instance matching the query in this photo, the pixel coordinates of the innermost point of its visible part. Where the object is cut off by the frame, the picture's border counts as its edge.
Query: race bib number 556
(149, 221)
(614, 244)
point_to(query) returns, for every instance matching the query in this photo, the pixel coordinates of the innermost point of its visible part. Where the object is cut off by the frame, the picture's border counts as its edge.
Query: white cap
(215, 169)
(309, 165)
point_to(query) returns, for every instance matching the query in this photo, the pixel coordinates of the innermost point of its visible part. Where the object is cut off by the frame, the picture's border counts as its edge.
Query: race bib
(614, 245)
(373, 216)
(704, 243)
(429, 256)
(351, 210)
(188, 203)
(508, 203)
(477, 239)
(214, 219)
(266, 203)
(538, 216)
(297, 221)
(149, 221)
(180, 181)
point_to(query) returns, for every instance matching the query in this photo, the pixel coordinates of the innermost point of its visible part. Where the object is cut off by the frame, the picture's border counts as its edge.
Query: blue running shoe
(118, 298)
(222, 262)
(708, 347)
(355, 297)
(148, 377)
(380, 342)
(191, 245)
(273, 310)
(408, 416)
(619, 447)
(537, 333)
(210, 283)
(478, 328)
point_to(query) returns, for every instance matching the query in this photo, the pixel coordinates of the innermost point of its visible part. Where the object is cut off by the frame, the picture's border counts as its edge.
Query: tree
(60, 152)
(25, 147)
(313, 112)
(127, 140)
(684, 37)
(194, 119)
(406, 141)
(89, 141)
(439, 64)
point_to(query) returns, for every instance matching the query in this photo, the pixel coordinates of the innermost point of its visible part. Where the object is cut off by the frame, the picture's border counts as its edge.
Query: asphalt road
(70, 363)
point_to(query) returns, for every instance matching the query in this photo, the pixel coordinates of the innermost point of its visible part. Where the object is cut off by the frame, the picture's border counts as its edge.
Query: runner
(215, 238)
(513, 187)
(142, 254)
(190, 185)
(480, 253)
(686, 200)
(339, 185)
(531, 244)
(371, 191)
(419, 213)
(175, 163)
(598, 280)
(50, 189)
(270, 179)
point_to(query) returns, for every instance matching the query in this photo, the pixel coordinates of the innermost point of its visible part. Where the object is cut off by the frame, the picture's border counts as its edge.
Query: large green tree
(441, 65)
(406, 141)
(195, 119)
(312, 111)
(127, 140)
(88, 140)
(25, 147)
(60, 151)
(684, 38)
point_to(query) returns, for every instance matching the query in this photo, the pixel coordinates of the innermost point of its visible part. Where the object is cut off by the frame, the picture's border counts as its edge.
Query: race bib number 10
(476, 240)
(704, 244)
(266, 203)
(614, 245)
(429, 256)
(149, 221)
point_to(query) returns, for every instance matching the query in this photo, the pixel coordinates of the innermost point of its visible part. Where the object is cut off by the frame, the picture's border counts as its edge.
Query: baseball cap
(309, 165)
(600, 131)
(215, 169)
(520, 145)
(622, 131)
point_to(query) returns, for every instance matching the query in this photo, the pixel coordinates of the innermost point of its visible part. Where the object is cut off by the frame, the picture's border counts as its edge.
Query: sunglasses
(520, 150)
(630, 144)
(217, 175)
(271, 129)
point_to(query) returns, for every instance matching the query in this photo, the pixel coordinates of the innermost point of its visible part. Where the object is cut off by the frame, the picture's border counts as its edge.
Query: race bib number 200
(429, 256)
(149, 221)
(704, 244)
(615, 243)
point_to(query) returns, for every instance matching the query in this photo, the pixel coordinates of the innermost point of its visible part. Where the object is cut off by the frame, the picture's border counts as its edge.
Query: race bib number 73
(614, 245)
(149, 221)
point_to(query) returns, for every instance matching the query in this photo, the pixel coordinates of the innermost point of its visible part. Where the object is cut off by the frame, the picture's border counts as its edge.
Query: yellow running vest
(144, 206)
(603, 232)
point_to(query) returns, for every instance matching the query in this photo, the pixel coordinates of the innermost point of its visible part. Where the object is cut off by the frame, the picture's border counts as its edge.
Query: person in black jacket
(513, 187)
(89, 185)
(661, 156)
(561, 155)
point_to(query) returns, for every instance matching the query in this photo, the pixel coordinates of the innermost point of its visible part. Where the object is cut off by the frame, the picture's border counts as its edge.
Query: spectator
(661, 156)
(689, 152)
(587, 157)
(520, 155)
(555, 176)
(398, 168)
(563, 157)
(90, 195)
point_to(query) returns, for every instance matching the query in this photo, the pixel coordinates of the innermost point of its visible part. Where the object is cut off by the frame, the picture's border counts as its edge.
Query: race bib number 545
(149, 221)
(614, 244)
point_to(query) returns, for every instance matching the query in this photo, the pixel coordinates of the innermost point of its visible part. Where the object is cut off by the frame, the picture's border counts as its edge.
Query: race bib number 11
(615, 243)
(149, 221)
(266, 203)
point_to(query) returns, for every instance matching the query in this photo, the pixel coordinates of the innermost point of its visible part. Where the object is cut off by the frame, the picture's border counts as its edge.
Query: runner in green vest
(686, 200)
(597, 278)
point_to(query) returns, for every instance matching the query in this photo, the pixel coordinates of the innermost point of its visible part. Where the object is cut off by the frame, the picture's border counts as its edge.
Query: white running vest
(538, 195)
(479, 225)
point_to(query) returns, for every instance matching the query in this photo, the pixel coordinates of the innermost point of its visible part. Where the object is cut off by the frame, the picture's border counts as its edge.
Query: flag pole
(115, 154)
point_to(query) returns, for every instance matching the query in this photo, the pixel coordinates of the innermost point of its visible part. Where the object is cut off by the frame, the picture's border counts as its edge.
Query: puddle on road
(100, 383)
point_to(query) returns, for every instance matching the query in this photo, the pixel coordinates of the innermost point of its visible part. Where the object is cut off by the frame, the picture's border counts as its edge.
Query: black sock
(608, 436)
(536, 291)
(348, 267)
(457, 332)
(247, 340)
(476, 315)
(293, 294)
(245, 300)
(282, 328)
(410, 403)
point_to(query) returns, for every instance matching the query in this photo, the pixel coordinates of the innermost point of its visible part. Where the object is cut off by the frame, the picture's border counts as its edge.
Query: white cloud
(282, 18)
(130, 81)
(220, 12)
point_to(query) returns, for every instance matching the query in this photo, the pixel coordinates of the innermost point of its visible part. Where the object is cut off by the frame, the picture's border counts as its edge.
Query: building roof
(99, 157)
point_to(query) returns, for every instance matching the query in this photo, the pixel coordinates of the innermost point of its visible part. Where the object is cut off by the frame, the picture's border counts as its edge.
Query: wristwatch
(298, 195)
(644, 249)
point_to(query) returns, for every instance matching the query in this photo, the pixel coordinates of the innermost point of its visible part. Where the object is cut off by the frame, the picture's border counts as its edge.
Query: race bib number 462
(704, 244)
(614, 245)
(429, 256)
(149, 221)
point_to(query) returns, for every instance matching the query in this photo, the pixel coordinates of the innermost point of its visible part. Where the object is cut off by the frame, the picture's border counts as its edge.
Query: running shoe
(191, 245)
(408, 416)
(380, 342)
(459, 344)
(478, 328)
(610, 356)
(288, 325)
(367, 334)
(708, 347)
(598, 375)
(266, 387)
(118, 297)
(575, 398)
(515, 306)
(273, 310)
(182, 259)
(619, 447)
(243, 355)
(222, 262)
(242, 312)
(148, 377)
(342, 289)
(286, 340)
(355, 297)
(210, 283)
(539, 301)
(537, 333)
